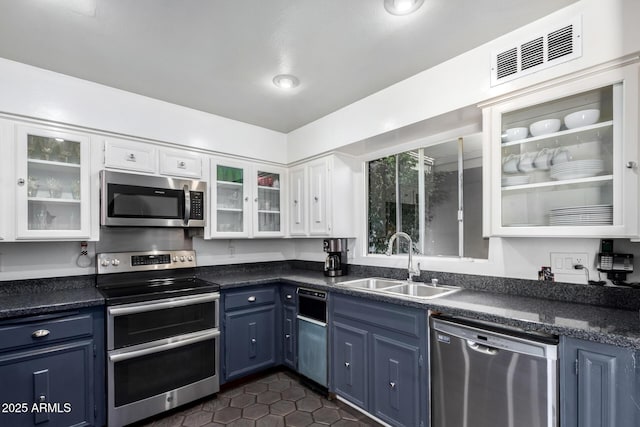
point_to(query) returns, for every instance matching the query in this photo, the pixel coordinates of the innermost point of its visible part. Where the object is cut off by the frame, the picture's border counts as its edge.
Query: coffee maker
(336, 262)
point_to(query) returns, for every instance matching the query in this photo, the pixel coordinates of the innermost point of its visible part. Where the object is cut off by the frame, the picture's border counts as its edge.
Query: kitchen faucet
(410, 270)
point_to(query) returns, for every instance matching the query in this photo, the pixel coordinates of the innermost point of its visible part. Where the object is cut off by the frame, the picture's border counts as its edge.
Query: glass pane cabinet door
(558, 161)
(268, 202)
(53, 184)
(229, 207)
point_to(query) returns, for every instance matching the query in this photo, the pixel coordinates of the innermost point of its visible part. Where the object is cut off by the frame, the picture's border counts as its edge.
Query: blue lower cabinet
(396, 374)
(52, 370)
(289, 336)
(600, 385)
(378, 359)
(350, 371)
(250, 340)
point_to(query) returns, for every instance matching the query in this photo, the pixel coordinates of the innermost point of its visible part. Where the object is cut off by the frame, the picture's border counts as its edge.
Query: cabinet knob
(20, 181)
(255, 200)
(40, 333)
(315, 198)
(246, 199)
(287, 336)
(392, 384)
(347, 364)
(253, 340)
(182, 164)
(289, 296)
(631, 165)
(131, 157)
(42, 398)
(295, 202)
(251, 299)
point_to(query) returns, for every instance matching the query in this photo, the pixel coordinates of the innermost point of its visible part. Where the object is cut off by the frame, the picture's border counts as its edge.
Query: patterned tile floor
(273, 400)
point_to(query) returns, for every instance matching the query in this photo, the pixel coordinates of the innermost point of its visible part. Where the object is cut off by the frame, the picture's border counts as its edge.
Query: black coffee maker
(336, 262)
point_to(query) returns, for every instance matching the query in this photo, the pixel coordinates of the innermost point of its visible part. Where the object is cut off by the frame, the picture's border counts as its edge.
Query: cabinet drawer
(395, 318)
(176, 163)
(129, 155)
(288, 294)
(249, 298)
(34, 332)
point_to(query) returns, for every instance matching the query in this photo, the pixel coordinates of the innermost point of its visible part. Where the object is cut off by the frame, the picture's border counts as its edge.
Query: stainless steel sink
(373, 283)
(400, 287)
(420, 290)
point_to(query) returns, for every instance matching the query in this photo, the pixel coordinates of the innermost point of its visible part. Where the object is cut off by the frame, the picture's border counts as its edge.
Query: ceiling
(220, 56)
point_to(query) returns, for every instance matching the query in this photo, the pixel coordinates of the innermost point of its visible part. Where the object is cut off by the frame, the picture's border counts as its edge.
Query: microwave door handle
(187, 205)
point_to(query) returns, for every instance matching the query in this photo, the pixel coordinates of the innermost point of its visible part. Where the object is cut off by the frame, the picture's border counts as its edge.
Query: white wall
(42, 94)
(610, 31)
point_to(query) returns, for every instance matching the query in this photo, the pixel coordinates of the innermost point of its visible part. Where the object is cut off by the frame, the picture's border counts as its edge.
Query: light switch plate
(564, 262)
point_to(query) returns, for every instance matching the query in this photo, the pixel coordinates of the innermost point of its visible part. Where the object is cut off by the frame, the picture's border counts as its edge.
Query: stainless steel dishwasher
(312, 335)
(487, 376)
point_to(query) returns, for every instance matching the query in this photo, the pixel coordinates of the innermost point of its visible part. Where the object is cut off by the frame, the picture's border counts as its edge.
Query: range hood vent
(543, 51)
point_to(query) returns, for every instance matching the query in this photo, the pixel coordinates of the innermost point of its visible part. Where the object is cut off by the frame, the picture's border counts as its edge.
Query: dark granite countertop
(615, 326)
(38, 296)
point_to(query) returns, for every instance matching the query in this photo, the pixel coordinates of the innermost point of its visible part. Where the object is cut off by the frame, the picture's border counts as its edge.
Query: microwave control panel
(197, 202)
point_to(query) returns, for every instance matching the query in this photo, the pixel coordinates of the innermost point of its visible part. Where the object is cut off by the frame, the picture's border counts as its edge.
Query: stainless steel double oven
(162, 333)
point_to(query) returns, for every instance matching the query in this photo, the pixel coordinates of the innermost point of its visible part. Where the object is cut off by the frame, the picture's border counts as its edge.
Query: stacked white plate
(582, 215)
(508, 181)
(576, 169)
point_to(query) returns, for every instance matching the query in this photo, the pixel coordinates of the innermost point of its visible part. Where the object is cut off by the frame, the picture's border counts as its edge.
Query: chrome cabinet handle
(295, 202)
(347, 364)
(287, 336)
(20, 181)
(40, 333)
(43, 398)
(182, 164)
(131, 157)
(392, 384)
(246, 199)
(251, 299)
(255, 200)
(315, 198)
(253, 340)
(631, 165)
(289, 296)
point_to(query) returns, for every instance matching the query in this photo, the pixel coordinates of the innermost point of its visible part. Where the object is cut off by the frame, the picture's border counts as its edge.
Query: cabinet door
(318, 193)
(289, 331)
(349, 363)
(249, 340)
(395, 385)
(268, 198)
(181, 163)
(599, 385)
(230, 199)
(58, 380)
(129, 155)
(53, 194)
(298, 202)
(553, 175)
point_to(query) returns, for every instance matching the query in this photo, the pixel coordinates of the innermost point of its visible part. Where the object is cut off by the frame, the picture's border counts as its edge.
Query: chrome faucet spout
(411, 271)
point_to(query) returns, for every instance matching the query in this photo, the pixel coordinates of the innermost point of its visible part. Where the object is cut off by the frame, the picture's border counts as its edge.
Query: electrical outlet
(564, 262)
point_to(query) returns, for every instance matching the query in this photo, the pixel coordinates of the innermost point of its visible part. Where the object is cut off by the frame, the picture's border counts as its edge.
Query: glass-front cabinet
(564, 159)
(246, 200)
(52, 195)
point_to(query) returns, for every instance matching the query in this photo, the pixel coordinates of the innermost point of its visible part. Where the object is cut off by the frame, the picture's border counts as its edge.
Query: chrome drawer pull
(251, 299)
(392, 384)
(40, 333)
(289, 296)
(347, 364)
(287, 336)
(253, 340)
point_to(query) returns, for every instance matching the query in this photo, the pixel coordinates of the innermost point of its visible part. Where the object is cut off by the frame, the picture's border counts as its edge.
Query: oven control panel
(116, 262)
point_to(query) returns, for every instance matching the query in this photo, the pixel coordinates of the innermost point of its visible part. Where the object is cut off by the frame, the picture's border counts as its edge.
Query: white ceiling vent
(542, 51)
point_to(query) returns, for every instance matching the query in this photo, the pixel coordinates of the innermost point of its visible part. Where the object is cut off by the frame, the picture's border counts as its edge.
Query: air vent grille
(561, 42)
(543, 51)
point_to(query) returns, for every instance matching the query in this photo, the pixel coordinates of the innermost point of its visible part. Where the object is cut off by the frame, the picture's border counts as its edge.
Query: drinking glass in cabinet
(560, 171)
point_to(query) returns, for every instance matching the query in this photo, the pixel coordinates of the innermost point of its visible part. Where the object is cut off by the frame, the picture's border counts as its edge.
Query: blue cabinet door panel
(58, 380)
(396, 373)
(289, 333)
(349, 359)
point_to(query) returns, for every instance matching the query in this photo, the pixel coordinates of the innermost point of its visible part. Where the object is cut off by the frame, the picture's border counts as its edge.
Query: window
(421, 192)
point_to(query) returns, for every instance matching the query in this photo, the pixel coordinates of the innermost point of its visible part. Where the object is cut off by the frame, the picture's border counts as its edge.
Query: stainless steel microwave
(130, 200)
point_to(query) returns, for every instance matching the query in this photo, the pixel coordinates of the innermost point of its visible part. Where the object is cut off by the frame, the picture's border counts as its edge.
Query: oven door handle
(152, 306)
(115, 358)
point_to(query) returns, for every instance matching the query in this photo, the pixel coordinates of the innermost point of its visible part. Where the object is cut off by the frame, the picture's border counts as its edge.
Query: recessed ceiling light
(402, 7)
(286, 81)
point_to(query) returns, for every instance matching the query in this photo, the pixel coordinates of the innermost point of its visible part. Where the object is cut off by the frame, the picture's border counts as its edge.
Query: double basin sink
(400, 287)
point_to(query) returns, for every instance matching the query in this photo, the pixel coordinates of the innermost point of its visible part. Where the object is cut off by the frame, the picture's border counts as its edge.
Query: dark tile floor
(273, 400)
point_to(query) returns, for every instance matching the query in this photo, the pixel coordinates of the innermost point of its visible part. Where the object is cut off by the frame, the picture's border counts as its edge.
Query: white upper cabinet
(563, 160)
(180, 163)
(130, 155)
(138, 156)
(246, 200)
(52, 184)
(321, 198)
